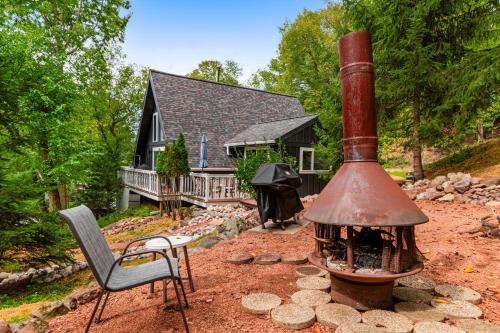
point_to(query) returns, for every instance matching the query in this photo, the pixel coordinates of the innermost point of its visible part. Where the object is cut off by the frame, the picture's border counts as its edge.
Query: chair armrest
(120, 259)
(146, 238)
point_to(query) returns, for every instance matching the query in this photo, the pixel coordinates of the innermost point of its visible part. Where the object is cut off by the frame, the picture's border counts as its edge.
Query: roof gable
(196, 107)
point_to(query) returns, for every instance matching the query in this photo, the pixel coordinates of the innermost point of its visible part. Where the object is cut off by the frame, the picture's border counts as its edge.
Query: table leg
(152, 286)
(186, 258)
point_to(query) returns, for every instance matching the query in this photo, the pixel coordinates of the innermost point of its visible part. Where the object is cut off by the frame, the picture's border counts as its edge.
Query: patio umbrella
(203, 153)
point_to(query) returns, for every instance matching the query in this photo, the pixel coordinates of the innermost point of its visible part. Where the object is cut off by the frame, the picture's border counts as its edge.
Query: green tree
(229, 71)
(418, 48)
(307, 66)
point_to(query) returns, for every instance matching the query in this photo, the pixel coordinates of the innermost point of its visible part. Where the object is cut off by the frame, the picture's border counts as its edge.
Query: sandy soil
(215, 306)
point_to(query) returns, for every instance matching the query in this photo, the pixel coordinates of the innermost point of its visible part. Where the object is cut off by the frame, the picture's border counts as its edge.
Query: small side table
(177, 242)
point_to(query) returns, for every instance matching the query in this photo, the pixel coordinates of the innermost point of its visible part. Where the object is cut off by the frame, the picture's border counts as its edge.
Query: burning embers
(364, 223)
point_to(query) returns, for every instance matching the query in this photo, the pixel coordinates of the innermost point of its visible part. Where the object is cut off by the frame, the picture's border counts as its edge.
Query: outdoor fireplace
(364, 223)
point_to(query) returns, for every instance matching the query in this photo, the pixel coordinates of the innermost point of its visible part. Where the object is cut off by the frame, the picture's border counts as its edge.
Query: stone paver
(267, 259)
(407, 294)
(314, 283)
(311, 298)
(458, 293)
(361, 328)
(334, 315)
(293, 316)
(456, 309)
(392, 321)
(240, 258)
(260, 303)
(417, 282)
(418, 312)
(477, 326)
(310, 270)
(294, 259)
(435, 327)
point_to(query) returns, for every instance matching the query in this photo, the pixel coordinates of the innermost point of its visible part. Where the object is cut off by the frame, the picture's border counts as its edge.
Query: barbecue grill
(364, 223)
(276, 185)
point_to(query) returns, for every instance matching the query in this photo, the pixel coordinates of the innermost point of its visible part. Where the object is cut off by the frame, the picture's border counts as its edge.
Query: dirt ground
(215, 306)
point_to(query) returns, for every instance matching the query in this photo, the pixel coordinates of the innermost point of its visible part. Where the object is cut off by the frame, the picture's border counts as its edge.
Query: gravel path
(215, 306)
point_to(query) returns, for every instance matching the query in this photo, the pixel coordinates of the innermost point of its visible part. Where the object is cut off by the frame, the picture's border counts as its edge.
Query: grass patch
(45, 292)
(149, 229)
(10, 266)
(399, 173)
(120, 215)
(480, 160)
(197, 241)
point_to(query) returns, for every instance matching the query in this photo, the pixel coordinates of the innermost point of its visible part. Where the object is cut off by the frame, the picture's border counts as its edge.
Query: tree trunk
(480, 131)
(418, 169)
(53, 192)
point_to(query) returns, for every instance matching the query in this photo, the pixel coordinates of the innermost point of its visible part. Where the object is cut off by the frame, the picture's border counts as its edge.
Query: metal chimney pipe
(219, 69)
(359, 117)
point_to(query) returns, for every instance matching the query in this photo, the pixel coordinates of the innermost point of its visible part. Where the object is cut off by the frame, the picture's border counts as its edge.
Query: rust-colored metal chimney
(361, 193)
(364, 223)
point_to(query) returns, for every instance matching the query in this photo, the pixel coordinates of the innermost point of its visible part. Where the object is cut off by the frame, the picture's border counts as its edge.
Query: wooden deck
(202, 189)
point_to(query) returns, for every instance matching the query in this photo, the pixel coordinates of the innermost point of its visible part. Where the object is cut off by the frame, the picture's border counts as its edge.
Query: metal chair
(107, 270)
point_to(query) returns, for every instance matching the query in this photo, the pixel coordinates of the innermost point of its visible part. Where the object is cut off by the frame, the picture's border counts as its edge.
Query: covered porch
(202, 189)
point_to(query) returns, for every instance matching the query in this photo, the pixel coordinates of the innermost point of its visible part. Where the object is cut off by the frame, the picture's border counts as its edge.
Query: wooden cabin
(236, 120)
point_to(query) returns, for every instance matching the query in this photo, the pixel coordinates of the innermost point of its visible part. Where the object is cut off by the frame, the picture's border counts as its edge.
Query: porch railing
(201, 186)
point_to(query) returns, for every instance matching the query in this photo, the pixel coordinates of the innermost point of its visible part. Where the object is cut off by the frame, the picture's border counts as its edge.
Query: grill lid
(361, 193)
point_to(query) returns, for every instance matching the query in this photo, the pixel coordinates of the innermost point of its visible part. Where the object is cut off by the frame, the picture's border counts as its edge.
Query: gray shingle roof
(269, 131)
(220, 111)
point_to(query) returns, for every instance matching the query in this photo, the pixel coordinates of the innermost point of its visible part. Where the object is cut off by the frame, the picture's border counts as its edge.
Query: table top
(161, 244)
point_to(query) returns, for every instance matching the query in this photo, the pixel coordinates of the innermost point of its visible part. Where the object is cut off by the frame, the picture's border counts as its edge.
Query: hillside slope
(480, 160)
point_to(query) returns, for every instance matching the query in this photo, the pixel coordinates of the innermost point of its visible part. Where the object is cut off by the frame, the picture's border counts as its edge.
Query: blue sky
(174, 36)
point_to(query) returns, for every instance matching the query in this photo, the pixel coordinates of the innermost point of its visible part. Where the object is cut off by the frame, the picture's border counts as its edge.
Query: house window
(307, 163)
(155, 127)
(156, 151)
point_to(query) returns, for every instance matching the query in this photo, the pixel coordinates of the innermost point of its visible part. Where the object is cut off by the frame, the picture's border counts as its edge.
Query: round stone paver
(394, 322)
(456, 309)
(293, 316)
(240, 258)
(294, 259)
(407, 294)
(310, 270)
(435, 327)
(260, 303)
(311, 298)
(267, 259)
(334, 315)
(361, 328)
(458, 293)
(477, 326)
(418, 312)
(314, 283)
(417, 282)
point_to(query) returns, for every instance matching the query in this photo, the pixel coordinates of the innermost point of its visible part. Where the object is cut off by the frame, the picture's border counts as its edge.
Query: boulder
(462, 183)
(4, 327)
(490, 181)
(447, 198)
(34, 325)
(439, 180)
(87, 294)
(430, 194)
(50, 311)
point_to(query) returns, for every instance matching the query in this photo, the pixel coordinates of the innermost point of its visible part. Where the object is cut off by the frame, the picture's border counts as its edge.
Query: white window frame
(155, 127)
(301, 161)
(155, 149)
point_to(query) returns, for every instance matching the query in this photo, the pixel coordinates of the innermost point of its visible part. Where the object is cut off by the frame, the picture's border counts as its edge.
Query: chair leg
(180, 305)
(183, 293)
(98, 318)
(94, 311)
(164, 291)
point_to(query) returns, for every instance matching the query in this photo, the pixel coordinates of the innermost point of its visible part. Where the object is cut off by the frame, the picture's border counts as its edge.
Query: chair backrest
(84, 227)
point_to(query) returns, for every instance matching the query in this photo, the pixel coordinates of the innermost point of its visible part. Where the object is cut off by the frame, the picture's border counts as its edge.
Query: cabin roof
(221, 111)
(269, 132)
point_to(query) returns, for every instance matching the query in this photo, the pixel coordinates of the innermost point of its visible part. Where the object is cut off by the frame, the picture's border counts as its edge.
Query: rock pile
(457, 187)
(127, 225)
(13, 281)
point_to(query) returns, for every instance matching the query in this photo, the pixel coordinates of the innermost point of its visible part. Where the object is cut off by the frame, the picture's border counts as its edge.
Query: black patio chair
(107, 270)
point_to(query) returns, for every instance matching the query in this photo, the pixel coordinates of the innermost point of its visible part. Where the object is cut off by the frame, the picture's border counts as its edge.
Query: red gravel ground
(215, 306)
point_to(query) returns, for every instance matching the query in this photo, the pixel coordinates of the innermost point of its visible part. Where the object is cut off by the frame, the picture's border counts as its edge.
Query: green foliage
(245, 167)
(118, 215)
(230, 71)
(173, 161)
